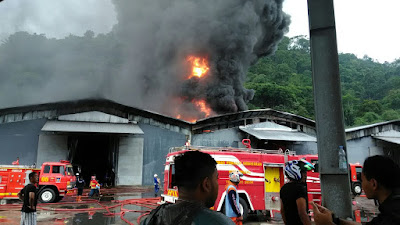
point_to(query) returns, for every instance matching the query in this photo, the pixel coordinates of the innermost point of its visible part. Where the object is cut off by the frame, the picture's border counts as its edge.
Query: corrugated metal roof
(269, 125)
(395, 140)
(90, 127)
(370, 125)
(278, 134)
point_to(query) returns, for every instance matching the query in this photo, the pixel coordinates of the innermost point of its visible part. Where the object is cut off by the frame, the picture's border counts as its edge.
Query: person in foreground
(294, 196)
(196, 176)
(29, 197)
(380, 181)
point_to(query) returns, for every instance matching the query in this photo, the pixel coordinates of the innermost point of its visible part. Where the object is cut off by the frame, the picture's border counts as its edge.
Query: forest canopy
(370, 90)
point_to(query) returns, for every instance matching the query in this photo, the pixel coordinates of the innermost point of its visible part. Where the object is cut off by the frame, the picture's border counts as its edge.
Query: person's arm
(302, 211)
(232, 201)
(283, 213)
(21, 194)
(32, 200)
(323, 216)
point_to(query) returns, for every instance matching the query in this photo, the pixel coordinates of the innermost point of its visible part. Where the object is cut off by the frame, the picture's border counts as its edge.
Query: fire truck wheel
(244, 208)
(47, 195)
(356, 189)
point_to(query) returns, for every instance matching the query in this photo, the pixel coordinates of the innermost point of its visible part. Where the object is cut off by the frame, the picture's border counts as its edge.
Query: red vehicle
(56, 179)
(259, 187)
(355, 178)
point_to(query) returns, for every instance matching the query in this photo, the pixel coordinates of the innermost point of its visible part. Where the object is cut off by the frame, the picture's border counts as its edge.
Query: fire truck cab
(56, 179)
(355, 178)
(263, 176)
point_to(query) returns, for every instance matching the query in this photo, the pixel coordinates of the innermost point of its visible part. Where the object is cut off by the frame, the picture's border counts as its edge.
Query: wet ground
(107, 211)
(124, 206)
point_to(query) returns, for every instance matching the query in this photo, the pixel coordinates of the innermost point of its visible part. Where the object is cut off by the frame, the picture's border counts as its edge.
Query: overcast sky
(364, 27)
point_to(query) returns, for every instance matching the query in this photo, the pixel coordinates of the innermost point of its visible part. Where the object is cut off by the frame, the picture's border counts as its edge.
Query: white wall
(130, 160)
(361, 148)
(51, 148)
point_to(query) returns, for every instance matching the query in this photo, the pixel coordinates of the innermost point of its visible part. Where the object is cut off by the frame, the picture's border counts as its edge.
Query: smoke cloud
(232, 34)
(142, 61)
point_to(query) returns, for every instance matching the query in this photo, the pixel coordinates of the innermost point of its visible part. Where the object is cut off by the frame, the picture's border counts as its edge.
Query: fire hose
(149, 203)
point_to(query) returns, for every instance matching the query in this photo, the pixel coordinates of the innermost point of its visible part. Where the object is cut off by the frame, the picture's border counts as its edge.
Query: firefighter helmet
(235, 176)
(294, 168)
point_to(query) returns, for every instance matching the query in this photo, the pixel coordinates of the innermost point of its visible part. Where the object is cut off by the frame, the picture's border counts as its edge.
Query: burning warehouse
(184, 59)
(103, 137)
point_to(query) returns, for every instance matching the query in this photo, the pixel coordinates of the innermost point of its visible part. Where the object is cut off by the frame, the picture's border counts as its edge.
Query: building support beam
(335, 183)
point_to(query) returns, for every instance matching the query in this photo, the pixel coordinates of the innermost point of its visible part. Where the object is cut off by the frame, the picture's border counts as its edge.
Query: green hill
(370, 90)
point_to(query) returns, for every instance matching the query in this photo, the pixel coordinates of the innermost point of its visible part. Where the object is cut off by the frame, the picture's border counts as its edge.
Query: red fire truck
(56, 179)
(263, 176)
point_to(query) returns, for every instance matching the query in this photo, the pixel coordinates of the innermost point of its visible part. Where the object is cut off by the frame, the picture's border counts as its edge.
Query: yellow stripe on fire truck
(173, 193)
(230, 161)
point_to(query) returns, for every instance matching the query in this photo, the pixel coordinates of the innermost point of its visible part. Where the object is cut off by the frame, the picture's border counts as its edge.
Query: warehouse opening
(94, 155)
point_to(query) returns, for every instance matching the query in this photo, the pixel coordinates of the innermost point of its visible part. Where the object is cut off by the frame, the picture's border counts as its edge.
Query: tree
(370, 89)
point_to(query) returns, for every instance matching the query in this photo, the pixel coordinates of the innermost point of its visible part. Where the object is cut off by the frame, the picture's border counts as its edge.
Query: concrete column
(130, 160)
(335, 183)
(52, 148)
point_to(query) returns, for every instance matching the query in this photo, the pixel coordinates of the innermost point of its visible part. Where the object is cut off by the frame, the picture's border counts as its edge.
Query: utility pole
(335, 183)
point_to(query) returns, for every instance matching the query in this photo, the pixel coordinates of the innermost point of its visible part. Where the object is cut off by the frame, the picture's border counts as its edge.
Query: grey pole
(335, 183)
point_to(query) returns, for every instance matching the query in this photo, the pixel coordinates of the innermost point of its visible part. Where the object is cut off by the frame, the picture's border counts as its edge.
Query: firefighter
(294, 196)
(380, 181)
(80, 184)
(156, 185)
(232, 209)
(94, 189)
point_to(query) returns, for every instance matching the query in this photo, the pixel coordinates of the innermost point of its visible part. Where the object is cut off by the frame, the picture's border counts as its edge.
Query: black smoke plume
(142, 61)
(232, 34)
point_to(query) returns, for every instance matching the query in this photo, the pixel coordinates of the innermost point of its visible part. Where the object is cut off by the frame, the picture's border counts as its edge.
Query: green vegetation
(370, 90)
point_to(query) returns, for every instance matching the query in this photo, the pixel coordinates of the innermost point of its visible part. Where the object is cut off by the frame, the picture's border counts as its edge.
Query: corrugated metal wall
(231, 137)
(20, 139)
(157, 142)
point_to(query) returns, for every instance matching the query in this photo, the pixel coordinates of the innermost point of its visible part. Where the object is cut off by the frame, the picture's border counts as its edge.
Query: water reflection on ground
(67, 212)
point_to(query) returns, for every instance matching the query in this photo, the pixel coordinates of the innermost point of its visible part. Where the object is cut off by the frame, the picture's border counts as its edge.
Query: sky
(364, 27)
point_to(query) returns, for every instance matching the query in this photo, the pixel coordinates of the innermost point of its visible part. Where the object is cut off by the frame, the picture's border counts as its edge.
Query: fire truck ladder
(231, 149)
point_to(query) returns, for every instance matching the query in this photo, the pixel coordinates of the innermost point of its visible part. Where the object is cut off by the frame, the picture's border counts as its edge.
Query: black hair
(384, 170)
(191, 168)
(31, 175)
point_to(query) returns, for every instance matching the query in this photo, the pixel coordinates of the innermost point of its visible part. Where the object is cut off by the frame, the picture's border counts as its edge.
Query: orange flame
(199, 66)
(201, 104)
